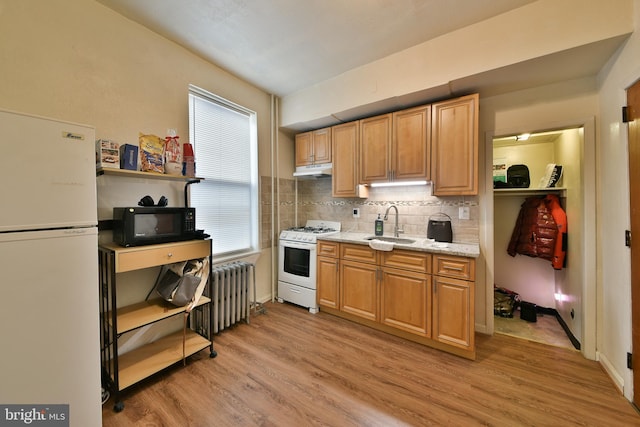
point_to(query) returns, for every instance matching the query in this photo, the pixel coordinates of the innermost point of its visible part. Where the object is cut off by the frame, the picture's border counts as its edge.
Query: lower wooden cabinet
(427, 298)
(453, 312)
(359, 289)
(327, 274)
(453, 306)
(405, 301)
(327, 282)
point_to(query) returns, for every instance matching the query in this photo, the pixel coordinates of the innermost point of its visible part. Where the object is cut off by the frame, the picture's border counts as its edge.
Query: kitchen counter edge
(421, 244)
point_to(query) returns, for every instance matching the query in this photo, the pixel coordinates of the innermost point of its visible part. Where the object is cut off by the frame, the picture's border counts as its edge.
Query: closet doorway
(551, 299)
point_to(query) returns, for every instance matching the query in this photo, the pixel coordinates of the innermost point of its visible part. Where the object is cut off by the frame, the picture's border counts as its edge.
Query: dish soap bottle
(379, 226)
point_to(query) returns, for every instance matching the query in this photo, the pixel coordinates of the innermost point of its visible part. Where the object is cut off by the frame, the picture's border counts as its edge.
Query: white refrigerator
(49, 310)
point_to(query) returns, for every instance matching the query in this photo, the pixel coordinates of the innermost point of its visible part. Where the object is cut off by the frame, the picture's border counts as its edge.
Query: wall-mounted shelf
(145, 175)
(560, 191)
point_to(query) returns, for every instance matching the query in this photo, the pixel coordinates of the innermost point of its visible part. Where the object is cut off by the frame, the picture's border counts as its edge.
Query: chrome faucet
(396, 229)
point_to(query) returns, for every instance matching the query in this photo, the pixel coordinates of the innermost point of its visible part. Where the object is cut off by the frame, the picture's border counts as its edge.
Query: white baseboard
(611, 371)
(482, 329)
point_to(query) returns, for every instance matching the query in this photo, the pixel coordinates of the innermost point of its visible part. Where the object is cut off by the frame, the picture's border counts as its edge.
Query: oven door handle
(306, 246)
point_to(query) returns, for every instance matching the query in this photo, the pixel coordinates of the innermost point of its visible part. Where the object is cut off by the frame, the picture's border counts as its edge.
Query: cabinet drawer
(407, 260)
(358, 253)
(128, 259)
(453, 266)
(329, 249)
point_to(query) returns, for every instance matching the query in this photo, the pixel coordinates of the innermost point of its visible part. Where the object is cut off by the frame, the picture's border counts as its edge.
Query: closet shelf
(504, 192)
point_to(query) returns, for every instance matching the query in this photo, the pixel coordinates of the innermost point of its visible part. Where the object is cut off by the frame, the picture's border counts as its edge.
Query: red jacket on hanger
(535, 231)
(560, 218)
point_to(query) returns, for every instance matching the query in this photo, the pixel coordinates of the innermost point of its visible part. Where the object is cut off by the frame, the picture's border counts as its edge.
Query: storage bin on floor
(528, 311)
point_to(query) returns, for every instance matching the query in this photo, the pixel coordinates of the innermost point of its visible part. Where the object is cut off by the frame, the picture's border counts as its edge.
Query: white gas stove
(310, 231)
(297, 262)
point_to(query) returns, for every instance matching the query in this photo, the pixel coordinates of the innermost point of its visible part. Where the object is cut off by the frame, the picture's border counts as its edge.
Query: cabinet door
(375, 143)
(453, 313)
(322, 146)
(345, 148)
(359, 289)
(411, 149)
(304, 149)
(405, 301)
(454, 139)
(327, 281)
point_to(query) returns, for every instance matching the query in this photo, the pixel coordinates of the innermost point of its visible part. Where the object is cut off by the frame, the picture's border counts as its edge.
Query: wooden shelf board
(145, 312)
(145, 175)
(153, 357)
(528, 191)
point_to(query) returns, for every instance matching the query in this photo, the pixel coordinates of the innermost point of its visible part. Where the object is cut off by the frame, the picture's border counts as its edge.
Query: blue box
(129, 157)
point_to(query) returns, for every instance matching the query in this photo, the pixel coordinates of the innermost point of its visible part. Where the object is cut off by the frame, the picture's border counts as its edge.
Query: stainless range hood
(313, 171)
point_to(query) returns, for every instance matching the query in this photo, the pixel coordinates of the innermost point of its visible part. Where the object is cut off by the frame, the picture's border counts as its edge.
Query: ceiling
(282, 46)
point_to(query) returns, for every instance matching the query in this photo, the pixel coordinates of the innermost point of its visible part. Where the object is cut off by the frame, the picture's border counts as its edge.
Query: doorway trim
(589, 313)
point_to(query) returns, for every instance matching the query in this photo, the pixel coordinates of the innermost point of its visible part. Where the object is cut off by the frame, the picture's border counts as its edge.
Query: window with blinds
(224, 139)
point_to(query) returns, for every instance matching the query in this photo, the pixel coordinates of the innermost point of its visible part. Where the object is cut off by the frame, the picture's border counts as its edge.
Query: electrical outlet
(356, 212)
(463, 212)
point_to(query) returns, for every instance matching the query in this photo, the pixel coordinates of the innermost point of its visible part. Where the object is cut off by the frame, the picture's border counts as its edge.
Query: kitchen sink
(398, 240)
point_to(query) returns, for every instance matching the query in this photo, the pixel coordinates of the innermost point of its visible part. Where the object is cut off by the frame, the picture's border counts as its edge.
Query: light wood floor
(292, 368)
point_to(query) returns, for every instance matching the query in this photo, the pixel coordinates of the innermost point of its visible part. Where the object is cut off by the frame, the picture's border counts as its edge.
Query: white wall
(79, 61)
(569, 281)
(614, 275)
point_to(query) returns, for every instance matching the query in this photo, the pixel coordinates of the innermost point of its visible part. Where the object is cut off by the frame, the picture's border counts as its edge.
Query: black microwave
(149, 225)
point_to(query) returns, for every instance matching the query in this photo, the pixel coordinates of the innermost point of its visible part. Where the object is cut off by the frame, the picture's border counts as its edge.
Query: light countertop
(422, 244)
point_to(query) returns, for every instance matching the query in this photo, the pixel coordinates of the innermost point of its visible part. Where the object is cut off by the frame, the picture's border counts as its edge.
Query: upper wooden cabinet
(375, 148)
(396, 146)
(436, 142)
(411, 148)
(345, 165)
(313, 147)
(454, 138)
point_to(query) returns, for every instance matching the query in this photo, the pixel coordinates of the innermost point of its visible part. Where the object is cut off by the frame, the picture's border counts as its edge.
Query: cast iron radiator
(230, 294)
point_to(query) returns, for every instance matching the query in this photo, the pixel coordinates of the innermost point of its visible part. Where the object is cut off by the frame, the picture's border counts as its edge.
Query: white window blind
(224, 139)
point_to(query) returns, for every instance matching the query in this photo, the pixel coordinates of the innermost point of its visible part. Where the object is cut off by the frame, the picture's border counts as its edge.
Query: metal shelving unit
(123, 370)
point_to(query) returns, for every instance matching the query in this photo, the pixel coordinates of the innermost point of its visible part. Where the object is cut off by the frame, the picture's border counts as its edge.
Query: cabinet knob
(169, 254)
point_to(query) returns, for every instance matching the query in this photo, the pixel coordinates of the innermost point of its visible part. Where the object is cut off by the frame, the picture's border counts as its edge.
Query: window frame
(252, 247)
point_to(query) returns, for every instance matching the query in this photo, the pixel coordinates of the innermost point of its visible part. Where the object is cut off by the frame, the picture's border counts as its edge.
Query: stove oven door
(297, 264)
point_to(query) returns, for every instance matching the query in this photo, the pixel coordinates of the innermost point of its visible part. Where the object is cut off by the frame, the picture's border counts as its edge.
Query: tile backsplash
(311, 199)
